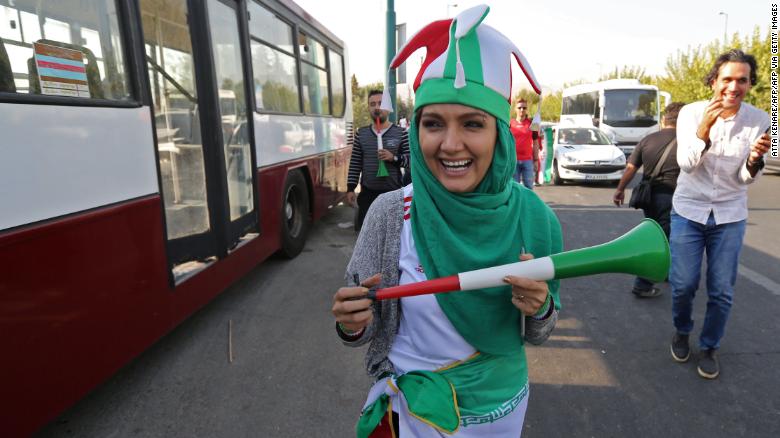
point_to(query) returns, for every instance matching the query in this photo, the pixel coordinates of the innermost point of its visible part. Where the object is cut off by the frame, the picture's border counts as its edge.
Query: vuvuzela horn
(642, 251)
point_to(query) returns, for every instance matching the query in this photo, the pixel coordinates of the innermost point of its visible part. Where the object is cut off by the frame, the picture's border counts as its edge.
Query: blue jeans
(722, 243)
(524, 173)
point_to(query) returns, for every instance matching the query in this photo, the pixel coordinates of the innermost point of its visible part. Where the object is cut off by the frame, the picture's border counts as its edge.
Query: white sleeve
(689, 146)
(744, 176)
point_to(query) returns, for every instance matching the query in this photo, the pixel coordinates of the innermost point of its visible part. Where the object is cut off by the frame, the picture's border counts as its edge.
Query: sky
(563, 40)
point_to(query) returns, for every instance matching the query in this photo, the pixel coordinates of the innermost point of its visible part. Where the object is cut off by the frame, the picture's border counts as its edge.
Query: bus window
(77, 54)
(273, 62)
(314, 76)
(229, 64)
(177, 119)
(337, 83)
(584, 103)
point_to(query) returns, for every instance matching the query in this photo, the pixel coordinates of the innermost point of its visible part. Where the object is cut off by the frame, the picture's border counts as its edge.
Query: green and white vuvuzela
(382, 170)
(642, 251)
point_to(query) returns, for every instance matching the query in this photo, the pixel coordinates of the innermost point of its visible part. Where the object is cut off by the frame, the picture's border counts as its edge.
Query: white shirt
(427, 340)
(715, 181)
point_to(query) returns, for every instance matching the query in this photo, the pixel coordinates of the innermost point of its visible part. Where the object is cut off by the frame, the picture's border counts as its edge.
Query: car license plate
(595, 176)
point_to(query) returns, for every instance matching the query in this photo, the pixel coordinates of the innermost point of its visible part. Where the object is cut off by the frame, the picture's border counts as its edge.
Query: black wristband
(347, 336)
(756, 164)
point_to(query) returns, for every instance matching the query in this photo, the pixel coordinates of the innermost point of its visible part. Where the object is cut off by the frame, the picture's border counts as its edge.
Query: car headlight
(619, 160)
(568, 159)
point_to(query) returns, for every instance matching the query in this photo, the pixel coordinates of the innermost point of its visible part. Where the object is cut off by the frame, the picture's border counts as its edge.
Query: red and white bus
(152, 152)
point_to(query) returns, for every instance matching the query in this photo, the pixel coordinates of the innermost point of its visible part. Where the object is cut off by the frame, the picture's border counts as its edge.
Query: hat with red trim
(467, 62)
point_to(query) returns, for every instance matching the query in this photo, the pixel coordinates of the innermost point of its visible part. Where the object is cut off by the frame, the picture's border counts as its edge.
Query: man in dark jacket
(647, 154)
(366, 155)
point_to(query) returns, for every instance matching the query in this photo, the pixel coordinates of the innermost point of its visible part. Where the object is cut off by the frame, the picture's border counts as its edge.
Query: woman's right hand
(351, 307)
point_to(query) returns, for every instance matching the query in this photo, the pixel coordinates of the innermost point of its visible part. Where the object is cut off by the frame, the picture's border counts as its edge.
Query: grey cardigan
(378, 249)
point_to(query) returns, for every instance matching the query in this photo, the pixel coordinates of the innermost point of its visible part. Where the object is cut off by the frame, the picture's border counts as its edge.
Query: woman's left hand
(527, 295)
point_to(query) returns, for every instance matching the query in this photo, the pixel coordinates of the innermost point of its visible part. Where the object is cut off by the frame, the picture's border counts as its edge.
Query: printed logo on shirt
(420, 269)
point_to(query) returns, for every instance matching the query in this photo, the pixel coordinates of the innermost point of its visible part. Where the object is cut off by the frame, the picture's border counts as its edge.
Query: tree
(355, 86)
(405, 108)
(530, 96)
(759, 95)
(360, 115)
(551, 104)
(685, 71)
(627, 72)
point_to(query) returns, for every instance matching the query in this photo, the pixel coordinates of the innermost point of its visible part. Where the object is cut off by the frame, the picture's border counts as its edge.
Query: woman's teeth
(460, 164)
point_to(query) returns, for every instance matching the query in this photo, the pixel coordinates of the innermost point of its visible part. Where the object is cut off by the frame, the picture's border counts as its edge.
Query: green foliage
(354, 85)
(530, 96)
(575, 82)
(759, 95)
(360, 113)
(685, 71)
(683, 78)
(684, 75)
(551, 104)
(405, 108)
(627, 72)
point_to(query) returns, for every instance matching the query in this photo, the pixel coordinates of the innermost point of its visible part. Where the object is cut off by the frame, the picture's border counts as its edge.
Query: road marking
(759, 279)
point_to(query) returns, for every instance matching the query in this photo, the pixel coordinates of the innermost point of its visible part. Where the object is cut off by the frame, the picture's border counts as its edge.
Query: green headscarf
(457, 232)
(468, 63)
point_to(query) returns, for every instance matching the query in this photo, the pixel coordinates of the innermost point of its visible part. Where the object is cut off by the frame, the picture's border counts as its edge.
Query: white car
(585, 154)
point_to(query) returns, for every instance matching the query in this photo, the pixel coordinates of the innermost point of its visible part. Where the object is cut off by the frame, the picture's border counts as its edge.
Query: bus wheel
(556, 176)
(295, 215)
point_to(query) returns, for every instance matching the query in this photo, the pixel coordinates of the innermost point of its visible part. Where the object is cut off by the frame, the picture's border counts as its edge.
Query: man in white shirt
(721, 144)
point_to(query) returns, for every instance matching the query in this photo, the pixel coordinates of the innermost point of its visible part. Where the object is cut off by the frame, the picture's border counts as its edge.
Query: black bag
(642, 195)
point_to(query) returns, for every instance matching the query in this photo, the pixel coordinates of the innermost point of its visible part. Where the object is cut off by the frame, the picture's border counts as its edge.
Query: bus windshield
(630, 108)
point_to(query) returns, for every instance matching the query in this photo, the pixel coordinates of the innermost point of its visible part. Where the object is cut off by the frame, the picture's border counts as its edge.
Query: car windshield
(582, 136)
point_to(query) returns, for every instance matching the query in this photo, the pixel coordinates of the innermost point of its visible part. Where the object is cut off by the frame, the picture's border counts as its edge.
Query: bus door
(195, 62)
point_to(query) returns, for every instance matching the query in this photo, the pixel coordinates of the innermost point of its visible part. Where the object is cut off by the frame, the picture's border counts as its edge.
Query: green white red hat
(467, 62)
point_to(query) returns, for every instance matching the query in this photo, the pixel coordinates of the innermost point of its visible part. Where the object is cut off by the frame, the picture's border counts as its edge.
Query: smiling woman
(462, 212)
(457, 142)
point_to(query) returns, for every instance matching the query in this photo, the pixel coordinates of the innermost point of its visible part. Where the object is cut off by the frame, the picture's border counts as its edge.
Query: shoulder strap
(661, 162)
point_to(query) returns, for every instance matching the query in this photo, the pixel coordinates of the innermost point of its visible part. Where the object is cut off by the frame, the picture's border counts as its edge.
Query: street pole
(390, 55)
(725, 30)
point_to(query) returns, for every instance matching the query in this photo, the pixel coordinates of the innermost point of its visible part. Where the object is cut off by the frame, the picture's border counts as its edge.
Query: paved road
(606, 372)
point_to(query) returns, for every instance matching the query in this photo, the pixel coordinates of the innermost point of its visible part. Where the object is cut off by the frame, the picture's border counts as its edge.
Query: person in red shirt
(526, 145)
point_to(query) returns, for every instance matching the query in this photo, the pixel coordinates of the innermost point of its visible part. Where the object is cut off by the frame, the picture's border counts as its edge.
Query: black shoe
(680, 349)
(647, 293)
(709, 368)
